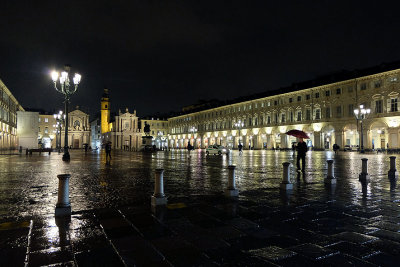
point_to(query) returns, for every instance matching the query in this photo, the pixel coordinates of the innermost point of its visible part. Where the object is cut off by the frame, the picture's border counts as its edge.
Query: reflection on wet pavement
(112, 222)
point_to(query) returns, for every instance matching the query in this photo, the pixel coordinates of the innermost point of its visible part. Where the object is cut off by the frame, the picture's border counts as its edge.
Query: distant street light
(66, 89)
(361, 114)
(59, 119)
(239, 125)
(193, 130)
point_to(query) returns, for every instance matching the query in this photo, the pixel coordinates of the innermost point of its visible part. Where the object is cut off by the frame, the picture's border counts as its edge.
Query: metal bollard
(231, 191)
(364, 176)
(330, 178)
(63, 206)
(286, 184)
(392, 173)
(158, 198)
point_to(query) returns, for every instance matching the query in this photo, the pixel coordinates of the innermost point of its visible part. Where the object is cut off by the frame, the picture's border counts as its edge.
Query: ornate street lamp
(361, 114)
(67, 89)
(239, 125)
(193, 130)
(59, 119)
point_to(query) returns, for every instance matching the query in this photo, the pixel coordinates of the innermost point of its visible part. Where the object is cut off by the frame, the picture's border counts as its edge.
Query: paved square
(112, 222)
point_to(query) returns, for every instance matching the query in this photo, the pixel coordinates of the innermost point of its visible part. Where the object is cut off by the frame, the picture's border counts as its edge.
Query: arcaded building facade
(8, 118)
(325, 110)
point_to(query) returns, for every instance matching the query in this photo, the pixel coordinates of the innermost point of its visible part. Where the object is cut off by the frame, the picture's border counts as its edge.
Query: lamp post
(361, 114)
(239, 125)
(67, 90)
(59, 119)
(160, 134)
(193, 130)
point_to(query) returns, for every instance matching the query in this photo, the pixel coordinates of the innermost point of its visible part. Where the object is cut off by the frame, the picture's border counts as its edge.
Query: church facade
(122, 131)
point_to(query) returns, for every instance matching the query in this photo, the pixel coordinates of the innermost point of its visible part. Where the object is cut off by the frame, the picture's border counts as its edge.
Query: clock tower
(105, 112)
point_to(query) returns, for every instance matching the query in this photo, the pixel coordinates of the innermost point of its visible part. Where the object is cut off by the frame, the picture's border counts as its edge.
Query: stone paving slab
(355, 237)
(345, 260)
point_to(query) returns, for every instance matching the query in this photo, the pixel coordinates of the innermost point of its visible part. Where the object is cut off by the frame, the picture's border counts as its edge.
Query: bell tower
(105, 111)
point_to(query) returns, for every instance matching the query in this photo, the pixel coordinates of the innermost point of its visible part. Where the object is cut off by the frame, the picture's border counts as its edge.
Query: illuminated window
(393, 105)
(39, 119)
(339, 111)
(317, 114)
(46, 130)
(378, 106)
(351, 110)
(308, 114)
(328, 113)
(393, 79)
(46, 119)
(299, 116)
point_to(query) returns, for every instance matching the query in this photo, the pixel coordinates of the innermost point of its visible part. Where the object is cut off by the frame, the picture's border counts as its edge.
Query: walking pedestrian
(108, 150)
(189, 148)
(335, 148)
(240, 147)
(301, 154)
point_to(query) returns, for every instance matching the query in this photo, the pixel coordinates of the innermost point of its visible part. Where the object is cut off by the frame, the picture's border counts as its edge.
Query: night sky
(157, 56)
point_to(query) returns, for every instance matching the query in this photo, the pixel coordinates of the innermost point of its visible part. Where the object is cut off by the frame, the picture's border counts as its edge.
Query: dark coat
(302, 148)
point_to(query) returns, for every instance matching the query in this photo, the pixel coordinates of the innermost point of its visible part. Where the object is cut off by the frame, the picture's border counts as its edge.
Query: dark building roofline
(325, 79)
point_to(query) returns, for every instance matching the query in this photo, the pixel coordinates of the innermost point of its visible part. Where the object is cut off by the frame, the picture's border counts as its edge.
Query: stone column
(158, 198)
(231, 191)
(364, 176)
(330, 178)
(339, 137)
(284, 141)
(317, 140)
(286, 183)
(63, 206)
(259, 141)
(393, 138)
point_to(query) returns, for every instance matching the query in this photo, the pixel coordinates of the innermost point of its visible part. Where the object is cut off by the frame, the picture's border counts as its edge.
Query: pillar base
(330, 180)
(393, 175)
(63, 211)
(66, 157)
(231, 193)
(364, 177)
(286, 186)
(158, 201)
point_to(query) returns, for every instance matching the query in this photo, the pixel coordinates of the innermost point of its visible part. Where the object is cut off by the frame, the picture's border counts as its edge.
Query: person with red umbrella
(301, 148)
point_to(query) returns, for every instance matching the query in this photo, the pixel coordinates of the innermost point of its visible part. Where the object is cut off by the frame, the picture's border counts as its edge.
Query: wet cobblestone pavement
(112, 224)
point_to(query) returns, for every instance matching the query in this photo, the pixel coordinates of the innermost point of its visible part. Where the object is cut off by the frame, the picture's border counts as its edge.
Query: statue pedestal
(147, 143)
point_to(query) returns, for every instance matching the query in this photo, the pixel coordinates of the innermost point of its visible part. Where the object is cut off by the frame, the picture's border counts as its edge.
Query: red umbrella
(298, 133)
